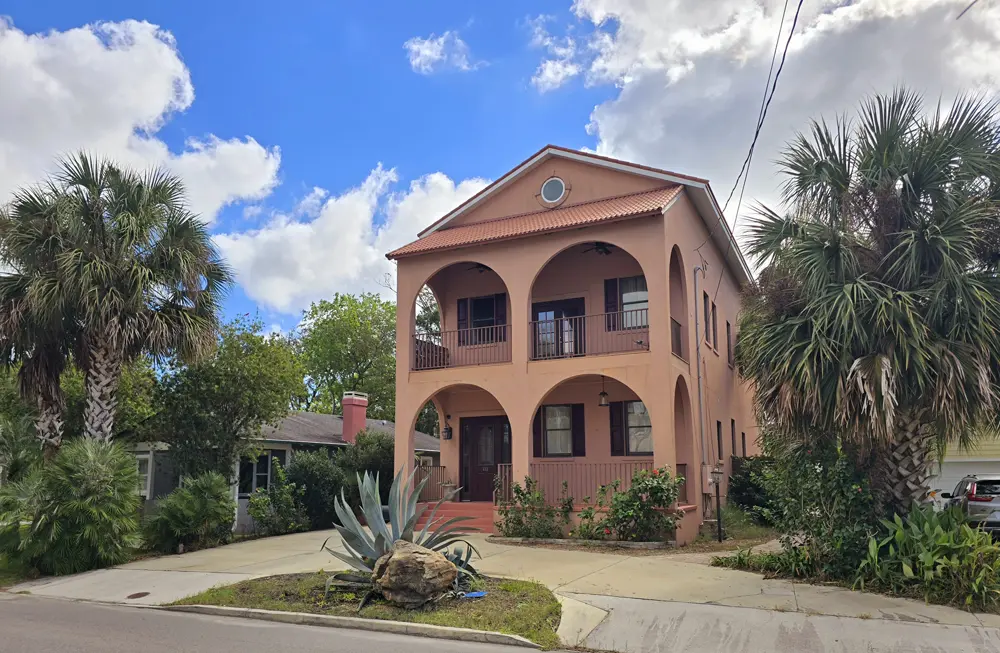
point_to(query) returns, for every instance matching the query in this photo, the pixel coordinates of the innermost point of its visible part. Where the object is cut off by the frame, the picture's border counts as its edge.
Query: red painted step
(481, 514)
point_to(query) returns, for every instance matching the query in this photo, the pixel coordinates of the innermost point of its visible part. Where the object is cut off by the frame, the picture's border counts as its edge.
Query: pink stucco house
(574, 293)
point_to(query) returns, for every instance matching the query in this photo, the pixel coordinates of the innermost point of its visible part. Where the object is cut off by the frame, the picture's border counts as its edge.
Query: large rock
(411, 576)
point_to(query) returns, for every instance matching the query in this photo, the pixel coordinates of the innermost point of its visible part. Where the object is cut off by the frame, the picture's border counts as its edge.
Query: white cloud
(109, 88)
(435, 53)
(690, 74)
(300, 258)
(561, 65)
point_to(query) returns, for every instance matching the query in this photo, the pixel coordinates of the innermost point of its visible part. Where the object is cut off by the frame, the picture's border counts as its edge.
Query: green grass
(738, 525)
(10, 574)
(514, 607)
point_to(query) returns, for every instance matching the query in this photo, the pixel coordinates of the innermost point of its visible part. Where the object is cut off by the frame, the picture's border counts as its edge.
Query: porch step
(481, 514)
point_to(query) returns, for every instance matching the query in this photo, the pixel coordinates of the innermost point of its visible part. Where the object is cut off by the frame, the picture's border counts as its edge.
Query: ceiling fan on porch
(479, 267)
(602, 249)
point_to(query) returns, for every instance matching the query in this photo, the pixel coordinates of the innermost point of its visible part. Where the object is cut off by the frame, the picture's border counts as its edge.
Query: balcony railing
(590, 335)
(476, 346)
(435, 476)
(676, 338)
(583, 479)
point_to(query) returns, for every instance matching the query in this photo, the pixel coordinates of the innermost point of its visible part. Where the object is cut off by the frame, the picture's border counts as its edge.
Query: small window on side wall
(729, 343)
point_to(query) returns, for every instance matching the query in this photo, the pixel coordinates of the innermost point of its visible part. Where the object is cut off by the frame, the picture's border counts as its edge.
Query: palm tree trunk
(103, 372)
(908, 463)
(49, 427)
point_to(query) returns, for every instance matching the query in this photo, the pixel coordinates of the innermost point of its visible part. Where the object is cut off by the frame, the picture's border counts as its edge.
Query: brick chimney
(355, 406)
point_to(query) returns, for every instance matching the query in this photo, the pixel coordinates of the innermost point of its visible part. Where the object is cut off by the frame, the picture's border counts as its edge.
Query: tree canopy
(349, 343)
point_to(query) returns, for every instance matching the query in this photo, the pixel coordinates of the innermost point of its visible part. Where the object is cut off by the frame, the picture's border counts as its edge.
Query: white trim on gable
(701, 197)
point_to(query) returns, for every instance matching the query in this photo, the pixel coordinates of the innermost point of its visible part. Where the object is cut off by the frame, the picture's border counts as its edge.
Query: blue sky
(293, 106)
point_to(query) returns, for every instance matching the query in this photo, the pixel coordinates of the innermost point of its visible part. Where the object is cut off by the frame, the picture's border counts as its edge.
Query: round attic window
(553, 190)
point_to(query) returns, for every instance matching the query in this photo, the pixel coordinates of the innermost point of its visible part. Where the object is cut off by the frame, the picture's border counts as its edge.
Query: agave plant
(366, 546)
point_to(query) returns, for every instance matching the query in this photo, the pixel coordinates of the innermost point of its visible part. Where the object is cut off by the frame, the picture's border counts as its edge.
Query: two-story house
(575, 294)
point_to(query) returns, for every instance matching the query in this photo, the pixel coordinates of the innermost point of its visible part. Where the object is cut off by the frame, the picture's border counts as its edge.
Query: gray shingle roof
(301, 427)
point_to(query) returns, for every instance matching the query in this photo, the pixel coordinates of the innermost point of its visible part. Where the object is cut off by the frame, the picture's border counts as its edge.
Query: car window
(959, 489)
(988, 488)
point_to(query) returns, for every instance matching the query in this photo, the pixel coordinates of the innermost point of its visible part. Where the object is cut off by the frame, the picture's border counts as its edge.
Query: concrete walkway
(605, 595)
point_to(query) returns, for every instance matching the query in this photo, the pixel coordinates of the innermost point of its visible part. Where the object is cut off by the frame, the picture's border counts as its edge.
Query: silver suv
(979, 498)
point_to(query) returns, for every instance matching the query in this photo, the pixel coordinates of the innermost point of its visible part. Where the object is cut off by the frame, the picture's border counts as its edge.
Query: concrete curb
(597, 544)
(357, 623)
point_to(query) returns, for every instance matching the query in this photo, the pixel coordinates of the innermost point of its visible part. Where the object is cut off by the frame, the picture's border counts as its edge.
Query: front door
(485, 444)
(559, 328)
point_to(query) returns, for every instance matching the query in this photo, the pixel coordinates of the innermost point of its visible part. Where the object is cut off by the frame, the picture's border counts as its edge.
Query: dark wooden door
(485, 444)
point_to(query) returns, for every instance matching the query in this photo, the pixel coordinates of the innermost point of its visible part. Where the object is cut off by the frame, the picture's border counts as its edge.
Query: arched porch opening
(589, 431)
(589, 299)
(461, 318)
(679, 333)
(475, 440)
(684, 442)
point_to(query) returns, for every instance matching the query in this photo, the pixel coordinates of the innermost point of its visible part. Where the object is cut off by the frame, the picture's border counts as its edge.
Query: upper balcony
(588, 300)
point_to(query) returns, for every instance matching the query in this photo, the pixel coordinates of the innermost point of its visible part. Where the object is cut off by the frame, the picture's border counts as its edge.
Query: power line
(971, 5)
(753, 143)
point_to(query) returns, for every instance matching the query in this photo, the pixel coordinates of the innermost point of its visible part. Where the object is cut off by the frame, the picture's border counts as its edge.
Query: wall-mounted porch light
(446, 431)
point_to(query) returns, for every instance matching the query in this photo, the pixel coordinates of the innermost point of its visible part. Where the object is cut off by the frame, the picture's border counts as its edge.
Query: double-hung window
(631, 429)
(558, 428)
(255, 473)
(142, 462)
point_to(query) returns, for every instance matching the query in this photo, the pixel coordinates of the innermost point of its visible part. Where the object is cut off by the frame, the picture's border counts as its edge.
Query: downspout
(697, 359)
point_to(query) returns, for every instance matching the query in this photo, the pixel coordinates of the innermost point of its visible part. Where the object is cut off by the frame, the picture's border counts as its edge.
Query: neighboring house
(569, 291)
(299, 431)
(984, 458)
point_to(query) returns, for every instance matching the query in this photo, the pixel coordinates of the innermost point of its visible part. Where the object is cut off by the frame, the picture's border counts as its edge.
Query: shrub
(824, 509)
(644, 512)
(528, 514)
(373, 452)
(320, 480)
(20, 448)
(278, 509)
(935, 554)
(77, 513)
(748, 488)
(196, 516)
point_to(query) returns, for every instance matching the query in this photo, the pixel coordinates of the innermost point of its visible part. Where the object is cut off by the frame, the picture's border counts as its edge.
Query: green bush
(373, 452)
(644, 512)
(528, 514)
(937, 555)
(320, 480)
(20, 448)
(196, 516)
(748, 488)
(78, 512)
(278, 509)
(824, 509)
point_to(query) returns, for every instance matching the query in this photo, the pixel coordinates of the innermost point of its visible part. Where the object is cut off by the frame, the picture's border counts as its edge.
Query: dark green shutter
(611, 306)
(617, 412)
(536, 434)
(579, 431)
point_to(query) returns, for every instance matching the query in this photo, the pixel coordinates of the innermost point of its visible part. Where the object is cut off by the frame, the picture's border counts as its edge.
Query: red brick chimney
(355, 406)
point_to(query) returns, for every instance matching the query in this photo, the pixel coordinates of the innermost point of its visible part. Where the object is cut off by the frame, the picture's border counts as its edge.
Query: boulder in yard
(411, 576)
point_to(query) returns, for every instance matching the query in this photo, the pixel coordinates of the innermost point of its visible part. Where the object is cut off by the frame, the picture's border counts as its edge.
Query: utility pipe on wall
(697, 359)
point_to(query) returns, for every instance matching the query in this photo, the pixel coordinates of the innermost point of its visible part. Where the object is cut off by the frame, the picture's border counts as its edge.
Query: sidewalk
(608, 598)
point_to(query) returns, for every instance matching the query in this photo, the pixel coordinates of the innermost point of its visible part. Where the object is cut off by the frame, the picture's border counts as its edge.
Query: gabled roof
(302, 427)
(544, 221)
(698, 190)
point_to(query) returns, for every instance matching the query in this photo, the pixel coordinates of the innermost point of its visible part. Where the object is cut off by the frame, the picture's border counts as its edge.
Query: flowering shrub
(528, 514)
(642, 513)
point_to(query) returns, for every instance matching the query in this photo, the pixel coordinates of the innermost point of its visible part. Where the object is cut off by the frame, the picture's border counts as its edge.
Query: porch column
(406, 417)
(520, 445)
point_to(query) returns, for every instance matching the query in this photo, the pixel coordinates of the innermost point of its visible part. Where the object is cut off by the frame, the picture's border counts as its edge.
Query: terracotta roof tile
(544, 220)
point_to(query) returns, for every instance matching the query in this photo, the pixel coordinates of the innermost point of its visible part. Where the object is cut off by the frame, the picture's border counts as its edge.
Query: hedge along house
(299, 431)
(569, 292)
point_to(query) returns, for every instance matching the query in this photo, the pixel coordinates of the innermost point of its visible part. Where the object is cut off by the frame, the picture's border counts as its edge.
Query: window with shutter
(611, 304)
(708, 318)
(482, 320)
(732, 451)
(579, 431)
(557, 431)
(718, 439)
(640, 430)
(616, 410)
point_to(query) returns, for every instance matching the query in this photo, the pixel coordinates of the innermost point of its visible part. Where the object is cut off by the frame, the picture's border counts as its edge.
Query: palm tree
(876, 318)
(36, 326)
(140, 272)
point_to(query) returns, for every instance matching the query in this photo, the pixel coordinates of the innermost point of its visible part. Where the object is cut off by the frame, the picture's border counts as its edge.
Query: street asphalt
(34, 625)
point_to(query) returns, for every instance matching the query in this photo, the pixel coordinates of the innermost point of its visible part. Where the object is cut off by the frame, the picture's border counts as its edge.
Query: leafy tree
(212, 412)
(428, 312)
(349, 343)
(196, 516)
(316, 472)
(111, 264)
(373, 452)
(877, 314)
(20, 450)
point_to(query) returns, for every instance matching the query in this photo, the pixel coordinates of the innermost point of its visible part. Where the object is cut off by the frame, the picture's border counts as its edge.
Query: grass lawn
(514, 607)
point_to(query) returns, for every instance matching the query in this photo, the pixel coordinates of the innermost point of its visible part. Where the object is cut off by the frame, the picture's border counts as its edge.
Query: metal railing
(436, 476)
(583, 479)
(503, 482)
(677, 339)
(590, 335)
(682, 494)
(461, 347)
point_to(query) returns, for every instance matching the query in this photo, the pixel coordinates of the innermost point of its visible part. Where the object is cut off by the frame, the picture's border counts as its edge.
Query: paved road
(30, 625)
